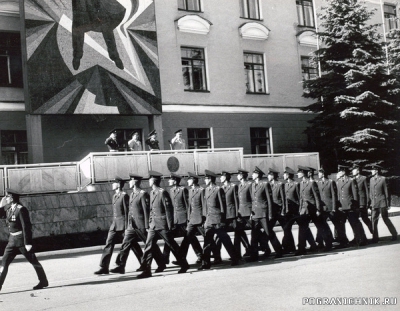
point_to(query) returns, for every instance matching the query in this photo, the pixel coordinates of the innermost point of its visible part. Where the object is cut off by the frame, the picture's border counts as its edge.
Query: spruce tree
(356, 119)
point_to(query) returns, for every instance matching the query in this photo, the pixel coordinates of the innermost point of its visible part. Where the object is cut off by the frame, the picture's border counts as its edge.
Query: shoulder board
(161, 189)
(201, 188)
(142, 191)
(182, 187)
(19, 206)
(249, 182)
(279, 183)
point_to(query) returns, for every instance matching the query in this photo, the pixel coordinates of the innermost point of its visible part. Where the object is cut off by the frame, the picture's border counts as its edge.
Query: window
(189, 5)
(305, 13)
(193, 69)
(199, 138)
(260, 140)
(254, 73)
(10, 60)
(14, 147)
(390, 17)
(250, 9)
(307, 69)
(125, 135)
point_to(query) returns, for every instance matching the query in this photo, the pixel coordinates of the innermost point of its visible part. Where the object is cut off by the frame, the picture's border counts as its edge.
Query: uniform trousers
(288, 244)
(181, 231)
(365, 218)
(239, 236)
(112, 238)
(219, 230)
(385, 216)
(291, 219)
(324, 233)
(242, 223)
(130, 242)
(340, 231)
(151, 242)
(356, 226)
(14, 247)
(256, 235)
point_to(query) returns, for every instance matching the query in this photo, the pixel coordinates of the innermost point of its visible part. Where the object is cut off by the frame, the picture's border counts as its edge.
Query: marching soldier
(363, 195)
(136, 223)
(214, 199)
(120, 205)
(179, 199)
(380, 203)
(20, 239)
(278, 207)
(261, 211)
(161, 223)
(348, 200)
(328, 192)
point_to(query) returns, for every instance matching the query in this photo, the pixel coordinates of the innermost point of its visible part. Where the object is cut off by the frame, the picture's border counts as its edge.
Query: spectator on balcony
(112, 142)
(134, 144)
(178, 143)
(152, 141)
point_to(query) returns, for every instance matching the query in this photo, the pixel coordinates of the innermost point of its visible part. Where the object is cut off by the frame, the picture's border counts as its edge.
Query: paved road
(370, 271)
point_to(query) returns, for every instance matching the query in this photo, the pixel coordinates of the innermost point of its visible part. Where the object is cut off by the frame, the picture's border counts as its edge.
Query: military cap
(288, 170)
(303, 169)
(175, 176)
(176, 132)
(312, 169)
(134, 132)
(225, 173)
(12, 191)
(112, 131)
(322, 170)
(242, 171)
(209, 173)
(272, 171)
(118, 179)
(154, 174)
(258, 171)
(153, 132)
(343, 168)
(134, 176)
(376, 167)
(193, 176)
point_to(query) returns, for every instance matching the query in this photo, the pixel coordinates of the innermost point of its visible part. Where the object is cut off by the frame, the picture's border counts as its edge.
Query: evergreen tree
(356, 119)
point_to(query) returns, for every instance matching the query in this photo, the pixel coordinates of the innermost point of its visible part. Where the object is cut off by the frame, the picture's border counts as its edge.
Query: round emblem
(173, 164)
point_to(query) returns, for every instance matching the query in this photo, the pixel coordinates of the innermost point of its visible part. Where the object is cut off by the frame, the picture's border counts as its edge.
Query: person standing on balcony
(134, 144)
(152, 141)
(120, 207)
(178, 143)
(112, 142)
(20, 239)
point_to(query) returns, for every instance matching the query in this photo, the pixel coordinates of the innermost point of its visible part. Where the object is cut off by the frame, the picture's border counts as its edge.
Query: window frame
(247, 4)
(210, 145)
(186, 5)
(389, 17)
(204, 59)
(303, 22)
(10, 49)
(268, 142)
(253, 72)
(16, 148)
(308, 68)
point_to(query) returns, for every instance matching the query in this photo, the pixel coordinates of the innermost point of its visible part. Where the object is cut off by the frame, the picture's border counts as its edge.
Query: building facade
(229, 74)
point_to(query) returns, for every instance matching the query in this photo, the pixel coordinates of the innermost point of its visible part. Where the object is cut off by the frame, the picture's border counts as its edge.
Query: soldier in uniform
(232, 205)
(136, 223)
(278, 207)
(120, 206)
(328, 192)
(348, 203)
(215, 210)
(178, 143)
(112, 142)
(363, 196)
(380, 203)
(161, 223)
(152, 141)
(261, 211)
(134, 144)
(179, 198)
(20, 239)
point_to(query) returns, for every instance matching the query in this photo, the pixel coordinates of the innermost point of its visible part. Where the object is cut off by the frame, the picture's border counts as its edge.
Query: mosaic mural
(92, 57)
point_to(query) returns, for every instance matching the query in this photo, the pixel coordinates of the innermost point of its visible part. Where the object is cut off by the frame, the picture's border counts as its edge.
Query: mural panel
(91, 57)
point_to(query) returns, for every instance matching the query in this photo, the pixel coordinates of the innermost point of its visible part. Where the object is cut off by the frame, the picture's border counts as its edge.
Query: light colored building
(230, 75)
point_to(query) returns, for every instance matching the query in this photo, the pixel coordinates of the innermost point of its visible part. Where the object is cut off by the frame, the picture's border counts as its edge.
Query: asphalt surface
(353, 277)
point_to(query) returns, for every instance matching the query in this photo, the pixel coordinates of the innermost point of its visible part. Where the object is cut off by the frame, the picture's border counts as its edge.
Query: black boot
(102, 270)
(118, 269)
(145, 274)
(41, 285)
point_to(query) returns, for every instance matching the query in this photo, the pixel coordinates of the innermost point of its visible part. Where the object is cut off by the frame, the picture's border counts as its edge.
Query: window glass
(193, 69)
(305, 13)
(254, 73)
(189, 5)
(260, 140)
(199, 138)
(10, 60)
(250, 9)
(14, 147)
(390, 17)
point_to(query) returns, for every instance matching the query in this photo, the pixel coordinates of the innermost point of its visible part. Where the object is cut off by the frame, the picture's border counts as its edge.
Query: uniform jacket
(111, 144)
(120, 204)
(135, 145)
(278, 197)
(328, 192)
(309, 198)
(161, 210)
(379, 193)
(214, 199)
(196, 205)
(347, 193)
(363, 192)
(292, 197)
(139, 210)
(231, 199)
(153, 144)
(18, 220)
(261, 200)
(179, 197)
(244, 198)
